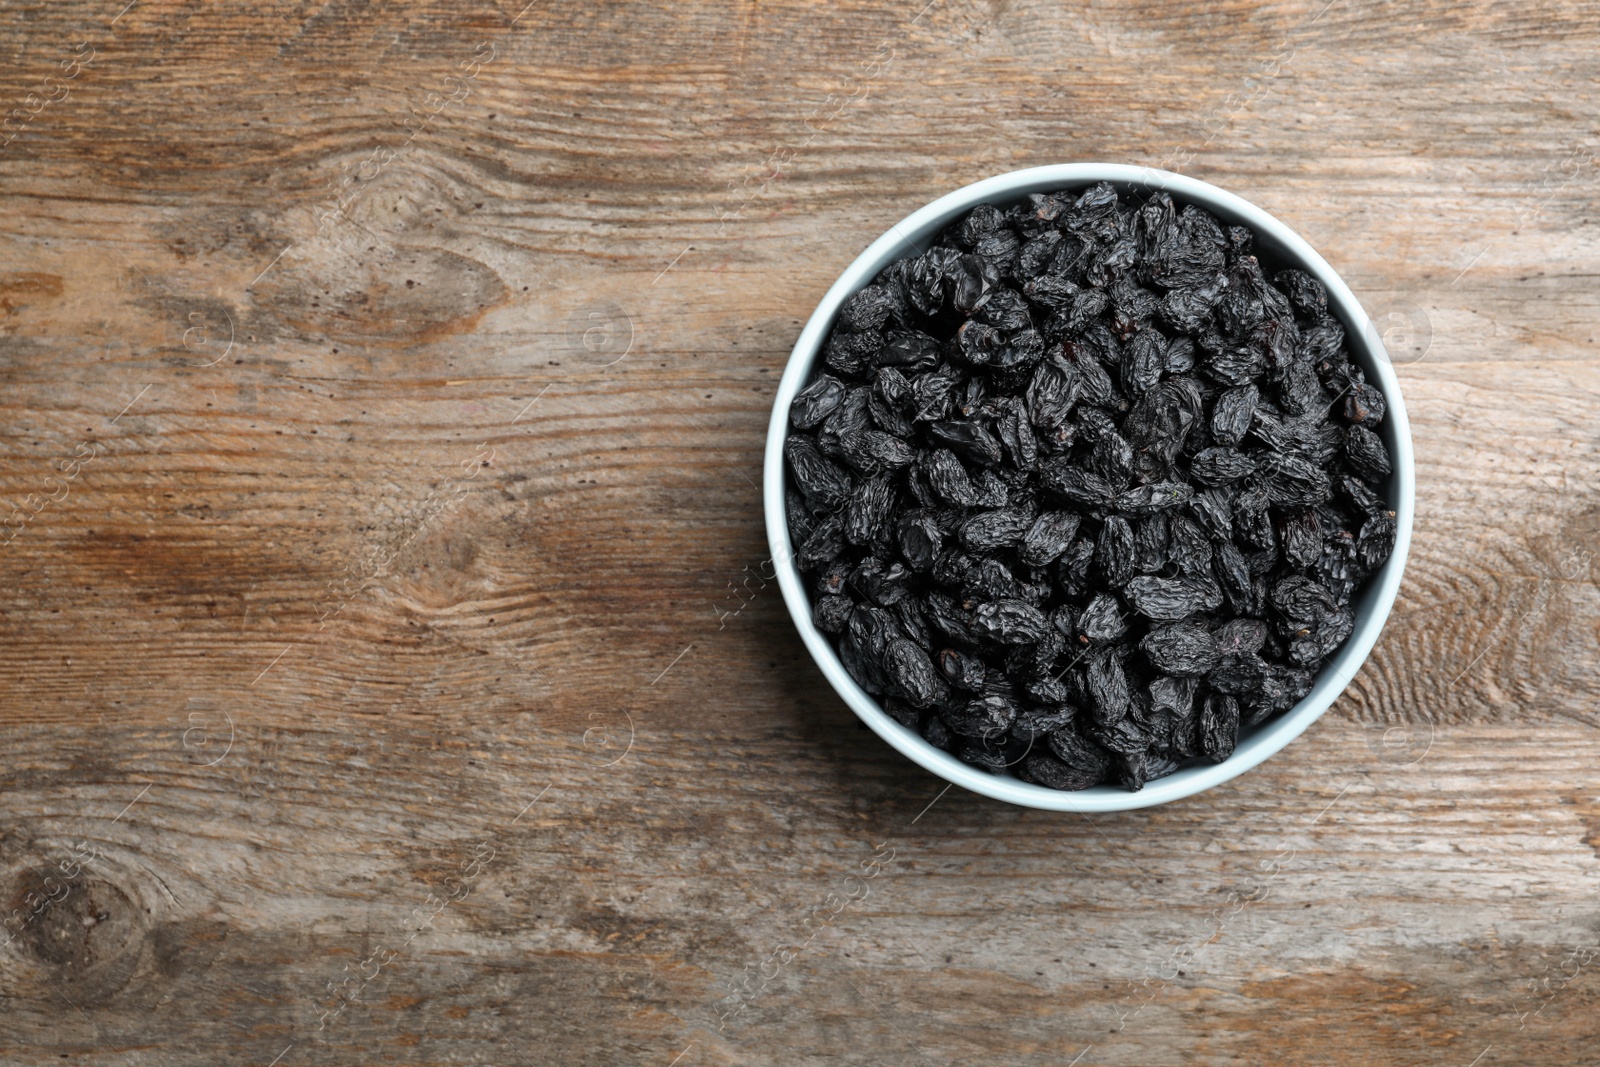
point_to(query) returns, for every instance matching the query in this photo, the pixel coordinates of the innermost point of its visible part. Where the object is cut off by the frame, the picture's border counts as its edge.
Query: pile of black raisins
(1082, 492)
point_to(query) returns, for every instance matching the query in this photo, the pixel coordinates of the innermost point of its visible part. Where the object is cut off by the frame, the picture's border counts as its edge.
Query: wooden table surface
(389, 673)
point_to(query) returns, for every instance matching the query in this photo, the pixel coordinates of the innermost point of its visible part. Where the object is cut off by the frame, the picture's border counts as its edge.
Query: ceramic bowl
(1279, 247)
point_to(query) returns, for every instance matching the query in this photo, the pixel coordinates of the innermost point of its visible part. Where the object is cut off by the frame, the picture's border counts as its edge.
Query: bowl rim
(1366, 348)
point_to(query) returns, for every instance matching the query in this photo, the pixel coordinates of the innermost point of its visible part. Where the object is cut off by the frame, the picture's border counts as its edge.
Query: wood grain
(387, 681)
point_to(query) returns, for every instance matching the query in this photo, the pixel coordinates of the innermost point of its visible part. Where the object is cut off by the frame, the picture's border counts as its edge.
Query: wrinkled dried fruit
(816, 402)
(1147, 499)
(1114, 552)
(1037, 723)
(1049, 771)
(1219, 466)
(1219, 726)
(990, 531)
(1366, 453)
(1364, 405)
(1048, 537)
(1010, 622)
(1103, 620)
(1171, 599)
(832, 613)
(912, 672)
(985, 716)
(1183, 648)
(1108, 687)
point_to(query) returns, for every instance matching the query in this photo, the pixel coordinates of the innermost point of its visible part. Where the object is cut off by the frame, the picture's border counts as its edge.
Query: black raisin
(1049, 771)
(1366, 453)
(1231, 417)
(1145, 499)
(816, 402)
(969, 439)
(990, 531)
(910, 669)
(1219, 466)
(824, 485)
(1171, 599)
(1010, 621)
(985, 716)
(1301, 536)
(1184, 648)
(1219, 726)
(1108, 687)
(1036, 723)
(1103, 621)
(921, 538)
(832, 613)
(1047, 538)
(1365, 406)
(867, 509)
(1114, 551)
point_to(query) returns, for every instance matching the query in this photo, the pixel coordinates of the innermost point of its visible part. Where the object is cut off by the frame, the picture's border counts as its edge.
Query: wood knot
(83, 934)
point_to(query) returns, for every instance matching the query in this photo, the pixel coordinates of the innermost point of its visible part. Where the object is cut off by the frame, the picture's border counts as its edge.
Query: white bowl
(1284, 248)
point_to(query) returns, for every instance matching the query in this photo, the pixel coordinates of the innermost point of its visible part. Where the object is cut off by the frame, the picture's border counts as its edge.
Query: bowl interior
(1278, 247)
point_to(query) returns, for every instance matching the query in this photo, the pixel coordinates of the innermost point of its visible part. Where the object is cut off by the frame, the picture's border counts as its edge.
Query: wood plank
(376, 588)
